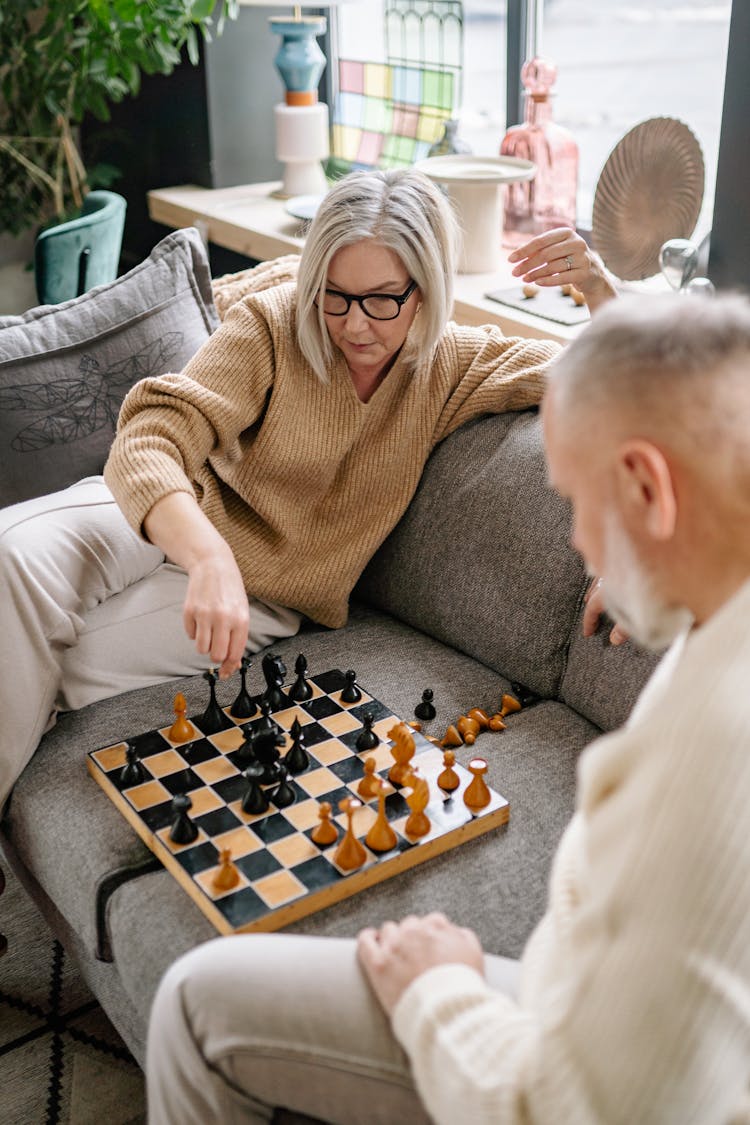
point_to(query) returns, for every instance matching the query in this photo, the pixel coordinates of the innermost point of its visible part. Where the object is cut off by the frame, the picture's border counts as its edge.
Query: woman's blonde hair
(402, 210)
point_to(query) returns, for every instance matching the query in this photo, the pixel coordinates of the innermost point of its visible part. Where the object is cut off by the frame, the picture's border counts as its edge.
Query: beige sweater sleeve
(502, 373)
(635, 997)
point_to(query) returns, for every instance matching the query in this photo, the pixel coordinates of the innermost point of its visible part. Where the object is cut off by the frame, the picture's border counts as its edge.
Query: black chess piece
(255, 800)
(525, 696)
(351, 693)
(243, 706)
(425, 711)
(133, 772)
(213, 718)
(284, 795)
(300, 689)
(244, 755)
(265, 744)
(183, 830)
(297, 760)
(367, 739)
(265, 724)
(274, 671)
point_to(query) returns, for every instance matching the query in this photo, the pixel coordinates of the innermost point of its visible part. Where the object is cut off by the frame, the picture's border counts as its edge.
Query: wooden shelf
(251, 220)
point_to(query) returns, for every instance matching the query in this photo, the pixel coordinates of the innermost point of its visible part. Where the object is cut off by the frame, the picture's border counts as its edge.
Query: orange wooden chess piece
(325, 832)
(350, 854)
(452, 737)
(468, 729)
(181, 730)
(227, 876)
(418, 823)
(369, 786)
(402, 751)
(449, 779)
(508, 704)
(477, 795)
(381, 837)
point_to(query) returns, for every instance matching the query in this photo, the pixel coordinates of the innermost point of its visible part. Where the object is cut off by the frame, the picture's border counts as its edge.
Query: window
(619, 62)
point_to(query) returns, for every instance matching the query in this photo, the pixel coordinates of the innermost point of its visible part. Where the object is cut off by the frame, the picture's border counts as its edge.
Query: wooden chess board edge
(152, 842)
(377, 873)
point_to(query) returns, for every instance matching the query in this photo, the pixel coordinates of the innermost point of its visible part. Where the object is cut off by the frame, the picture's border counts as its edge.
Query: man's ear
(646, 488)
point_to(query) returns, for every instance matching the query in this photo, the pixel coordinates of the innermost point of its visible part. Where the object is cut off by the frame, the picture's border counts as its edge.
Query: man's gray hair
(664, 359)
(402, 210)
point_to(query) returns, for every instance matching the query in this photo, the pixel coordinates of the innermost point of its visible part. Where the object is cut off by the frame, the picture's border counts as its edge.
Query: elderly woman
(250, 490)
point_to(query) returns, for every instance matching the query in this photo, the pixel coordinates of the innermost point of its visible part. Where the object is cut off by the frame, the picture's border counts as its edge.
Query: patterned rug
(61, 1061)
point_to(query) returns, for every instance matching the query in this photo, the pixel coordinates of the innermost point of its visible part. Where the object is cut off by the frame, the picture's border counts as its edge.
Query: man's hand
(399, 952)
(562, 257)
(593, 609)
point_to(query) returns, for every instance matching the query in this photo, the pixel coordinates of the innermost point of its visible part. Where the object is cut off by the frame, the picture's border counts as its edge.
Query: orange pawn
(350, 854)
(370, 784)
(381, 837)
(452, 737)
(508, 704)
(468, 729)
(418, 823)
(227, 876)
(325, 832)
(181, 730)
(449, 779)
(477, 795)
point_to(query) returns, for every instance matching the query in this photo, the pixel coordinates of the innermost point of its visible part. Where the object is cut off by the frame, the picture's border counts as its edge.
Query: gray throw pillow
(65, 369)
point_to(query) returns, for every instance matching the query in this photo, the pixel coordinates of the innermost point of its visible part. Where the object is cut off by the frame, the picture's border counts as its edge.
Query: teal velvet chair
(72, 257)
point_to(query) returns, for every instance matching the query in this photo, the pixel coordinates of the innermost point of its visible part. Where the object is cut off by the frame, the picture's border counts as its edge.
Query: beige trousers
(243, 1024)
(88, 610)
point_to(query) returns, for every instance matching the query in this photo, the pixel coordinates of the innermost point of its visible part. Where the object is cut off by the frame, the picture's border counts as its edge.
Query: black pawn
(296, 760)
(213, 718)
(265, 724)
(254, 801)
(183, 831)
(243, 706)
(244, 755)
(132, 773)
(351, 693)
(425, 710)
(264, 745)
(300, 689)
(284, 795)
(367, 739)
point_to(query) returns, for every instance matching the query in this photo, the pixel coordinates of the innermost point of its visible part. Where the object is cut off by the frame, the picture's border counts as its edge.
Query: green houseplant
(62, 59)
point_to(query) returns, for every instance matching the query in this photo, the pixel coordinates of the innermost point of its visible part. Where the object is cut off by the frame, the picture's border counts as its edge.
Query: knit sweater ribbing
(302, 479)
(635, 987)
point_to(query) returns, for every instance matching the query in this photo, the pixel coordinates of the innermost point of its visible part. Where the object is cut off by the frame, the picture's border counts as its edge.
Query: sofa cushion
(465, 562)
(602, 681)
(64, 369)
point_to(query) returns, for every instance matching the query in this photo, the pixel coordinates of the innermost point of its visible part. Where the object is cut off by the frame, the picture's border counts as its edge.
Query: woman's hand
(216, 613)
(593, 609)
(562, 257)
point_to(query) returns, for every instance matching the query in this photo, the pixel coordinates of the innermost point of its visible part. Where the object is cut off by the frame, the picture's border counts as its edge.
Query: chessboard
(278, 873)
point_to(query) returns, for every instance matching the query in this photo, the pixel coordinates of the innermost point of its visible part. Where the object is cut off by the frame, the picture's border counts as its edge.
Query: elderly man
(632, 1003)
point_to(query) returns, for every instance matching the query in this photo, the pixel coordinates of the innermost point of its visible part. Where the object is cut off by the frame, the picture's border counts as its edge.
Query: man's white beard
(630, 593)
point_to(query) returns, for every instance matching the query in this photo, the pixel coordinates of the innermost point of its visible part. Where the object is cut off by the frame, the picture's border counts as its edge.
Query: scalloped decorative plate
(650, 190)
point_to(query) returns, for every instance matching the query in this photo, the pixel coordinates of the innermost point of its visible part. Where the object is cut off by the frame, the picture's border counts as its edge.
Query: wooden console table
(250, 220)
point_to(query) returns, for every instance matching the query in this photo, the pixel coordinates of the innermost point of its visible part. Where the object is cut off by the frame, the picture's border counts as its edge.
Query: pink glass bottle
(549, 200)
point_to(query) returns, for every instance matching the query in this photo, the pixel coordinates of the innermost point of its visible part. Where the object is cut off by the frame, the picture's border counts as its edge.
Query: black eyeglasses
(377, 306)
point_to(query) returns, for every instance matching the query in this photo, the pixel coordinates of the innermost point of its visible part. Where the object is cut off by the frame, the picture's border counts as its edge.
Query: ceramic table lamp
(302, 137)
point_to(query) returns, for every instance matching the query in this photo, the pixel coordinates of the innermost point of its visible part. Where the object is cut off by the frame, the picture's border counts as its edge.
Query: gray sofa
(475, 589)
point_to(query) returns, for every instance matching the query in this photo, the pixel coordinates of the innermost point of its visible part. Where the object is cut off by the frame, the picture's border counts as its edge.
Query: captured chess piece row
(467, 728)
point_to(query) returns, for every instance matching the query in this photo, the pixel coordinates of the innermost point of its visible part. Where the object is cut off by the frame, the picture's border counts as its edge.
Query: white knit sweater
(635, 988)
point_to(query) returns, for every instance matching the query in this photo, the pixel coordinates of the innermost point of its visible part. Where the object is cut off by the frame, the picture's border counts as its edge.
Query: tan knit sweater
(302, 479)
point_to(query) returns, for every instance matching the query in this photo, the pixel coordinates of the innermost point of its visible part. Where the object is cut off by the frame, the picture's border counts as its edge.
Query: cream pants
(242, 1024)
(89, 610)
